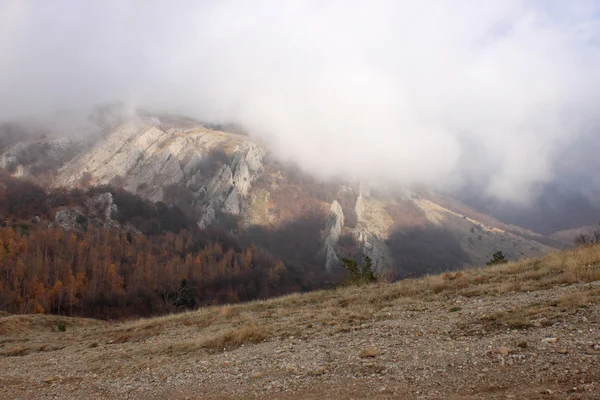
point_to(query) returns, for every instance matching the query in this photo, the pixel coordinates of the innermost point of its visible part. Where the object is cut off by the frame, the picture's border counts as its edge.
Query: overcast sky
(500, 96)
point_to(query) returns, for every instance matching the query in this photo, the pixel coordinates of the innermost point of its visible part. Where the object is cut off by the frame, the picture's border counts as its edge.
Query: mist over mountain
(495, 104)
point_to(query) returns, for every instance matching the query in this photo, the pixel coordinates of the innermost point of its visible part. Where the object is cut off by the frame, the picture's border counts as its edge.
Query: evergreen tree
(497, 258)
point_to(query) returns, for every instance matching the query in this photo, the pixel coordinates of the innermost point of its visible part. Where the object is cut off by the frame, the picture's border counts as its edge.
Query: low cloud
(501, 98)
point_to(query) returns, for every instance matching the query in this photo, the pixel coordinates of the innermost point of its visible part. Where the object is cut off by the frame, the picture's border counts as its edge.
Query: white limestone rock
(335, 222)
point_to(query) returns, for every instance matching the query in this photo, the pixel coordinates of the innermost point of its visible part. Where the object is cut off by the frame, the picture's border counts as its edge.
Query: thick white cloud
(432, 92)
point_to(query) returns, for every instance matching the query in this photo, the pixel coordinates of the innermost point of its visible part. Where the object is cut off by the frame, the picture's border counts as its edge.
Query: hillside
(233, 181)
(107, 253)
(521, 330)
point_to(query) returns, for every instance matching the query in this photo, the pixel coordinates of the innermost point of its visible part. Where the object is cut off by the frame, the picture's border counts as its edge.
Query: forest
(153, 261)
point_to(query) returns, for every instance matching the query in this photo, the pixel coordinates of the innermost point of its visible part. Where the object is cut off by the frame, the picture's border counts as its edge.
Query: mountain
(230, 180)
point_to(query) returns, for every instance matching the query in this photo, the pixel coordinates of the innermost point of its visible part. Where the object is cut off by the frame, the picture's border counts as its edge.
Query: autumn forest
(151, 260)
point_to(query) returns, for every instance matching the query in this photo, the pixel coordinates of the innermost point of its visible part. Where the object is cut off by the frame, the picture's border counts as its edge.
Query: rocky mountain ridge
(232, 180)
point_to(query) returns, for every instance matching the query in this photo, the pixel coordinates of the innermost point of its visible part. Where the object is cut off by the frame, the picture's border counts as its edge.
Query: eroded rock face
(127, 152)
(98, 211)
(371, 227)
(156, 172)
(39, 156)
(335, 222)
(145, 158)
(375, 249)
(228, 190)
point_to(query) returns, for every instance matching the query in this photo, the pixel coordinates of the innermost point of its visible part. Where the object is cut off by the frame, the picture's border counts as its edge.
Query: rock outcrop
(227, 191)
(335, 222)
(98, 211)
(372, 230)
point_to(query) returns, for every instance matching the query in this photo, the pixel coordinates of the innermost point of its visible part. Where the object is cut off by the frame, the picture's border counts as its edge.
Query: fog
(488, 100)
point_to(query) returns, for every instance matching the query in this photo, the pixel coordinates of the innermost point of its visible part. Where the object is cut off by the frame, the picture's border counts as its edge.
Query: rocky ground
(523, 331)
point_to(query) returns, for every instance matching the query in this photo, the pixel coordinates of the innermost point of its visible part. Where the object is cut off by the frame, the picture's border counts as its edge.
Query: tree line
(155, 260)
(113, 273)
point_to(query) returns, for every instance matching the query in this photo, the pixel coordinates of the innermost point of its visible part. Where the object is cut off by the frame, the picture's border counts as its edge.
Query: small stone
(257, 375)
(503, 351)
(290, 368)
(318, 371)
(49, 379)
(369, 352)
(522, 345)
(563, 351)
(549, 340)
(546, 391)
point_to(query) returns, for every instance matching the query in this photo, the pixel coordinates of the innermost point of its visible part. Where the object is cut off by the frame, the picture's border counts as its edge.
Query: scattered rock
(563, 351)
(522, 345)
(257, 375)
(318, 371)
(546, 391)
(503, 351)
(575, 389)
(50, 379)
(549, 340)
(369, 352)
(291, 368)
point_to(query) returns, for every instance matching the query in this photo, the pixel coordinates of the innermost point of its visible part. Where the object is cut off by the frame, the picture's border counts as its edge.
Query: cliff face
(232, 181)
(333, 230)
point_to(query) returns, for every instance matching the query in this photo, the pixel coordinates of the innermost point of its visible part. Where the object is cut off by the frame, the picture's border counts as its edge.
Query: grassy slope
(528, 299)
(345, 307)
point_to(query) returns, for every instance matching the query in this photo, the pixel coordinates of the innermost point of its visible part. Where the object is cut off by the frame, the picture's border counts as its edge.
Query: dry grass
(326, 312)
(581, 299)
(22, 324)
(15, 352)
(133, 336)
(538, 314)
(221, 341)
(236, 337)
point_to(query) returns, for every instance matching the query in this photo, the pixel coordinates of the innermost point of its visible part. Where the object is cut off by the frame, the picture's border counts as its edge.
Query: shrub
(497, 258)
(588, 240)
